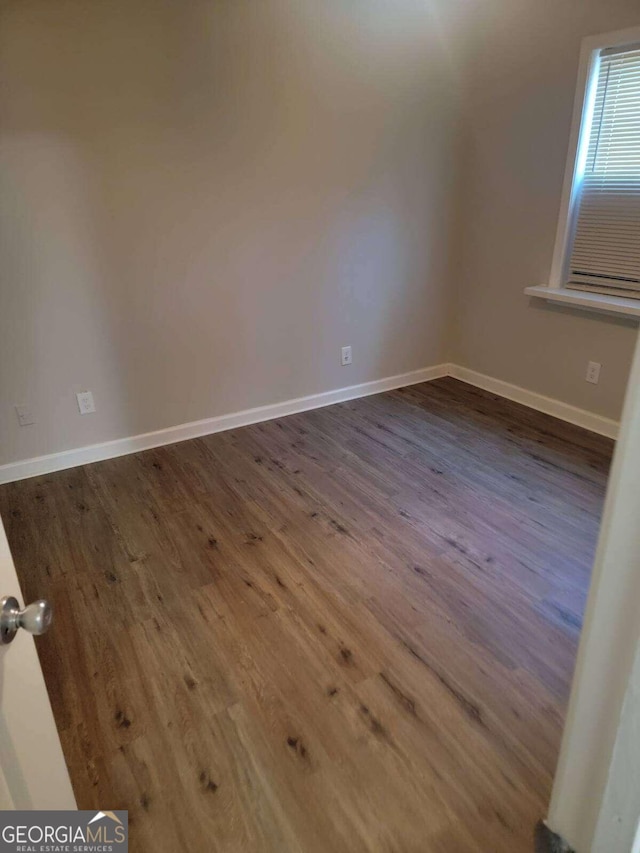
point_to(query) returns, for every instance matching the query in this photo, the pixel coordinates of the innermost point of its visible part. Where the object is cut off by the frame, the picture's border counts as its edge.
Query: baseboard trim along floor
(548, 405)
(39, 465)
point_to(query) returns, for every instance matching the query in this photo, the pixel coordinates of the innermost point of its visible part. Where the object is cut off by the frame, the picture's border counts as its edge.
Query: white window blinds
(606, 245)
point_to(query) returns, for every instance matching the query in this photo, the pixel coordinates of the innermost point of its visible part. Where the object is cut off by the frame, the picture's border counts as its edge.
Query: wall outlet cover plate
(25, 415)
(86, 404)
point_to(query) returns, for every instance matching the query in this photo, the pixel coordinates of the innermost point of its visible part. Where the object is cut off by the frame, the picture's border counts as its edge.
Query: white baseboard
(572, 414)
(120, 447)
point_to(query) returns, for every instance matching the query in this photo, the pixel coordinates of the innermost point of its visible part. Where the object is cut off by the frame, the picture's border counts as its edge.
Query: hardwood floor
(352, 629)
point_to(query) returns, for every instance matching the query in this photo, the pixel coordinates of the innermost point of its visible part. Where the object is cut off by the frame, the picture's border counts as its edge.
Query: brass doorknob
(35, 618)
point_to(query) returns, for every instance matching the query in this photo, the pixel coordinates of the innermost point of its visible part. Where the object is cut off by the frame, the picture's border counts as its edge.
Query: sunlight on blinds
(606, 246)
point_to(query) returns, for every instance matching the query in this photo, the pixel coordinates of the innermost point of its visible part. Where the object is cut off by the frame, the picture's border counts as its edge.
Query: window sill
(589, 301)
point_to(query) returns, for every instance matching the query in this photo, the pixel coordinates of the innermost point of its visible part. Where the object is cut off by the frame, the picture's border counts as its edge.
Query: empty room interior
(316, 325)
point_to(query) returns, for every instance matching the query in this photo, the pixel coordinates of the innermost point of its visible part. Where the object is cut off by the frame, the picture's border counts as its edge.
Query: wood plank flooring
(352, 629)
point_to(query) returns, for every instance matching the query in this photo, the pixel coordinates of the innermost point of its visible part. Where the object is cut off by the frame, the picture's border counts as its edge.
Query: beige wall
(201, 202)
(523, 62)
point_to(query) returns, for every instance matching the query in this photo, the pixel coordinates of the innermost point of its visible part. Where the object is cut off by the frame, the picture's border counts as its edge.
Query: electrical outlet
(346, 357)
(85, 402)
(25, 415)
(593, 372)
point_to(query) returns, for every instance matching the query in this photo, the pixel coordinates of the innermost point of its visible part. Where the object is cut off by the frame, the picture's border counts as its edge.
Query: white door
(595, 803)
(33, 773)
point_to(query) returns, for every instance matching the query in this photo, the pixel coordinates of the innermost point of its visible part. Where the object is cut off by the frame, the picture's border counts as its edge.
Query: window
(596, 262)
(605, 249)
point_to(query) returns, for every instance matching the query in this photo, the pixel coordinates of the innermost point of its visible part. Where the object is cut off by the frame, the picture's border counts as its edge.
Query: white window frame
(555, 290)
